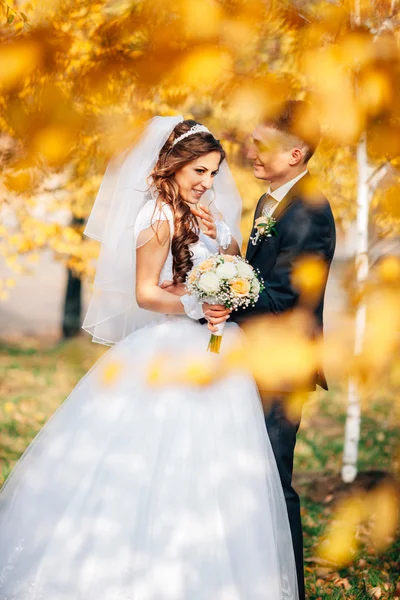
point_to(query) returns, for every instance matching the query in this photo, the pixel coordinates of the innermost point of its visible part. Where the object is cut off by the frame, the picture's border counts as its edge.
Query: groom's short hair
(298, 119)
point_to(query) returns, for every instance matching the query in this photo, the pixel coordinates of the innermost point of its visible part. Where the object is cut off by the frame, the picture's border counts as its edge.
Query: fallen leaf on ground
(320, 561)
(323, 572)
(375, 593)
(343, 583)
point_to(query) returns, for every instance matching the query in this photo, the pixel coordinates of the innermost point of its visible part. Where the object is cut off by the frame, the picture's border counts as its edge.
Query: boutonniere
(264, 227)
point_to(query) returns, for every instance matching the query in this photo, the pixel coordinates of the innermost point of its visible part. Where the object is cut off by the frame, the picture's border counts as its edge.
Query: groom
(280, 150)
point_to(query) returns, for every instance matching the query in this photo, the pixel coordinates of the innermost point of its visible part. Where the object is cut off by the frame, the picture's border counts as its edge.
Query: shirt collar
(281, 191)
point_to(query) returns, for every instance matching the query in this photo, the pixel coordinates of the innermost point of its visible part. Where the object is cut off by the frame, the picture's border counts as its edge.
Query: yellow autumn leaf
(375, 91)
(340, 541)
(199, 372)
(237, 33)
(156, 373)
(17, 60)
(309, 277)
(255, 100)
(20, 179)
(335, 98)
(357, 48)
(337, 348)
(383, 323)
(279, 351)
(294, 406)
(389, 269)
(111, 372)
(71, 236)
(204, 67)
(54, 143)
(202, 18)
(383, 508)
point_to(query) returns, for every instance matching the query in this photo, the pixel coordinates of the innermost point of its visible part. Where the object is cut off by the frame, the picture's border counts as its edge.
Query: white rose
(208, 282)
(226, 271)
(245, 270)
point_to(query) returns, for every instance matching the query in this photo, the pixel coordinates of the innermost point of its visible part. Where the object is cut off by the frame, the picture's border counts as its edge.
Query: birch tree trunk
(352, 430)
(365, 187)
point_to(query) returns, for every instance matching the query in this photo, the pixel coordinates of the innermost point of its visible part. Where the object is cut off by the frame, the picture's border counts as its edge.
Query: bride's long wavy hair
(170, 160)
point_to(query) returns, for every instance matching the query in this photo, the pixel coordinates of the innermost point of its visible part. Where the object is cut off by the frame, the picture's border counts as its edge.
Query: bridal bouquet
(226, 280)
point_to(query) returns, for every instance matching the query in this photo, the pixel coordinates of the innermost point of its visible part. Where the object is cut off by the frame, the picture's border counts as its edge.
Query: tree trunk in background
(72, 313)
(352, 430)
(72, 307)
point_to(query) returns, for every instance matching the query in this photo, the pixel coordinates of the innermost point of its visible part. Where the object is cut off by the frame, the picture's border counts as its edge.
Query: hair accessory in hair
(192, 131)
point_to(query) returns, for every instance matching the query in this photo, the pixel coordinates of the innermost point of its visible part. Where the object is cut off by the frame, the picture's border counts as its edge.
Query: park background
(77, 85)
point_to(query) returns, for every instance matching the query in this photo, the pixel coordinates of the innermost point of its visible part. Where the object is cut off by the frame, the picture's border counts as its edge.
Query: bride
(136, 492)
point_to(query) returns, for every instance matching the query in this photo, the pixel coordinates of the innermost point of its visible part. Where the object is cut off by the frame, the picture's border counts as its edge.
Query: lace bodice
(151, 215)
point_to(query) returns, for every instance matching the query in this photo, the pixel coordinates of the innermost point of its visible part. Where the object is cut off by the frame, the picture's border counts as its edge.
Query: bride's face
(197, 177)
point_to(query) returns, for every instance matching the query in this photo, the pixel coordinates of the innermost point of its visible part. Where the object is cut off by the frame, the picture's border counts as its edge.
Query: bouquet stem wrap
(214, 345)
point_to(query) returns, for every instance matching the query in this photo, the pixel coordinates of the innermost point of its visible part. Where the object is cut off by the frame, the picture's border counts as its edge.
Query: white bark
(368, 179)
(357, 13)
(353, 418)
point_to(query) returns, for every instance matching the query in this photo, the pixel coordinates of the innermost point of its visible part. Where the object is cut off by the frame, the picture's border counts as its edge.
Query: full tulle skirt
(135, 491)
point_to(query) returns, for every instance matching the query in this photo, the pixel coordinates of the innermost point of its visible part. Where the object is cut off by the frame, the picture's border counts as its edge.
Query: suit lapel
(297, 191)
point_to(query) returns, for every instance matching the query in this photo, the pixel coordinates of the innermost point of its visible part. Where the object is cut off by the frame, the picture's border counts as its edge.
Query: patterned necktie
(267, 207)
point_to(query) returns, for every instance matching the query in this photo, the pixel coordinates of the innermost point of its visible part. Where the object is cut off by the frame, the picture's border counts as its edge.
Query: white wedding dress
(134, 492)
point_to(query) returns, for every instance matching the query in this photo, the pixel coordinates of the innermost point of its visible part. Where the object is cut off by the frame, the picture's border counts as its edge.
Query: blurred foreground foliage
(78, 83)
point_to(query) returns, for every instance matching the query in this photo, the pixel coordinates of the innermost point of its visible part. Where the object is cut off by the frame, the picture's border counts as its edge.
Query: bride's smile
(197, 177)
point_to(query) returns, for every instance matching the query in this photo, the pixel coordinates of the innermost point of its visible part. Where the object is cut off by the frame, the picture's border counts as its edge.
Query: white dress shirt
(282, 191)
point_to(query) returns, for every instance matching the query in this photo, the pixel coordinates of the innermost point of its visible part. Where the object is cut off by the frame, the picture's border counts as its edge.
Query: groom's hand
(178, 289)
(215, 314)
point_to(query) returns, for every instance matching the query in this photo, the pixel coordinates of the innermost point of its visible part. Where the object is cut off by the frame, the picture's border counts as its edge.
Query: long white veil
(113, 312)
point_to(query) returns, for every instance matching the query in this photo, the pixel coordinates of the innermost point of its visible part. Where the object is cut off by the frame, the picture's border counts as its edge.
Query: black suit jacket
(304, 226)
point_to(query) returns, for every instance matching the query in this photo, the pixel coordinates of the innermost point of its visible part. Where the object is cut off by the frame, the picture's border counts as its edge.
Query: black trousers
(282, 434)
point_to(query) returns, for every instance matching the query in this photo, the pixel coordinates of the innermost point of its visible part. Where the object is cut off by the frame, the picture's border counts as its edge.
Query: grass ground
(34, 381)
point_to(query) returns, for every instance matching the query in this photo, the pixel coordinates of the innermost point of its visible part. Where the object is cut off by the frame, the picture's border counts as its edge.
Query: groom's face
(270, 152)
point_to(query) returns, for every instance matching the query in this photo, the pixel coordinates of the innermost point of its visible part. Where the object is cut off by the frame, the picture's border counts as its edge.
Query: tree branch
(376, 171)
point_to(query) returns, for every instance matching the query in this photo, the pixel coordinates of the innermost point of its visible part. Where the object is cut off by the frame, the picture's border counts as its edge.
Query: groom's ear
(296, 157)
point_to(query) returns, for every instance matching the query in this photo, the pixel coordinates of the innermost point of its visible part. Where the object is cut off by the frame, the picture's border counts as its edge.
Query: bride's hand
(215, 314)
(178, 289)
(207, 219)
